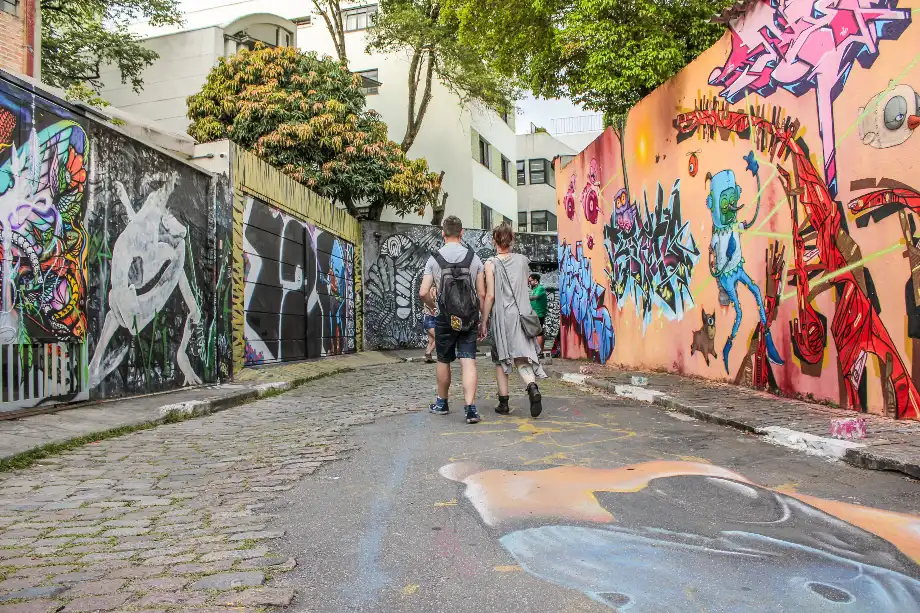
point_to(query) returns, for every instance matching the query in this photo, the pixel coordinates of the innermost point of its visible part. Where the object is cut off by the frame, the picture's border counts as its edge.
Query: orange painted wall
(861, 299)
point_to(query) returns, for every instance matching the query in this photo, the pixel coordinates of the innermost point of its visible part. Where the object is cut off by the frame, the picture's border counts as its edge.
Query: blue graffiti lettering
(582, 300)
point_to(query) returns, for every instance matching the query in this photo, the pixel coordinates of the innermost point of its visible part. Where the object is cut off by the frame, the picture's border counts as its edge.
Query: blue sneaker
(438, 408)
(472, 415)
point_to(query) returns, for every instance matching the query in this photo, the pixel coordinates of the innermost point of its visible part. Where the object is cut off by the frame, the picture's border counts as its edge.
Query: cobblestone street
(225, 513)
(172, 517)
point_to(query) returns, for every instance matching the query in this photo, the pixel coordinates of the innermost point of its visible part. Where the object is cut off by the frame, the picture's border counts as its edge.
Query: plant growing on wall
(432, 44)
(81, 36)
(603, 54)
(306, 116)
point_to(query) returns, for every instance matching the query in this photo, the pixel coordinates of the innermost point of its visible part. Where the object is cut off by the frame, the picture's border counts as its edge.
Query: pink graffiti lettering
(799, 45)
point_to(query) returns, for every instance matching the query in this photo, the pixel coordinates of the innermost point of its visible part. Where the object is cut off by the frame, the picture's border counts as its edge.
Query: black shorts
(451, 344)
(543, 324)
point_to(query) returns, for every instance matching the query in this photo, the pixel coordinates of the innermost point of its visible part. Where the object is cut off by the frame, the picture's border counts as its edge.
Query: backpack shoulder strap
(468, 260)
(440, 259)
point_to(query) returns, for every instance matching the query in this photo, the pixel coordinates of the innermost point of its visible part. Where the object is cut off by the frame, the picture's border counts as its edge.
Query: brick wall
(12, 42)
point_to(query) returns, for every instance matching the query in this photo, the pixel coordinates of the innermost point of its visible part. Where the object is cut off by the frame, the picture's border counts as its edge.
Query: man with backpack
(457, 273)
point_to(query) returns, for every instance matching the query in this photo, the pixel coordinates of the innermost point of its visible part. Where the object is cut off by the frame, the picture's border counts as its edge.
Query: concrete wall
(395, 255)
(813, 287)
(115, 266)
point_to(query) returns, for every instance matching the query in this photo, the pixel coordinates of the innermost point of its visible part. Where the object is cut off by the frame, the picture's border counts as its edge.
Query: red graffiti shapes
(857, 327)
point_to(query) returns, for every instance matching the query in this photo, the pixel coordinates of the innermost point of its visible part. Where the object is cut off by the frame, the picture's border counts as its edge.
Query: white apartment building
(474, 146)
(536, 178)
(186, 57)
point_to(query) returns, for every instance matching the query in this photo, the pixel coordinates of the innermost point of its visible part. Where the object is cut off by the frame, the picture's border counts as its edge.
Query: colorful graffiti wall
(112, 258)
(296, 270)
(299, 288)
(395, 256)
(758, 213)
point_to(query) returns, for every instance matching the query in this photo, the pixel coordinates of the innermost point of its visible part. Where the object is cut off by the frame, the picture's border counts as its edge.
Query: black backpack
(458, 299)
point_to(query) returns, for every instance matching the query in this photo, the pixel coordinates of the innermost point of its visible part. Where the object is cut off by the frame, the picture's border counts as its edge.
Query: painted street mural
(395, 256)
(669, 536)
(43, 158)
(44, 152)
(788, 202)
(299, 288)
(154, 301)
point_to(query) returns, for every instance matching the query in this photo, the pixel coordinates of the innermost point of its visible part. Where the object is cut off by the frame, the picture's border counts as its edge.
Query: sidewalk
(890, 444)
(18, 436)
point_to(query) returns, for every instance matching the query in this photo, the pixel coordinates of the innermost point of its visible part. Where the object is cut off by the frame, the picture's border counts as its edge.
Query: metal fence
(42, 374)
(582, 123)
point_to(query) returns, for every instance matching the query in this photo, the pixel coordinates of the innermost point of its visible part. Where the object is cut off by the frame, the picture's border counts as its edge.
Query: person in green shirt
(538, 302)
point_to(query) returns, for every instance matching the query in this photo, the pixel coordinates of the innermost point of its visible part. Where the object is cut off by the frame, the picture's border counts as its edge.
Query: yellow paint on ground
(787, 487)
(410, 589)
(693, 458)
(507, 569)
(553, 459)
(447, 503)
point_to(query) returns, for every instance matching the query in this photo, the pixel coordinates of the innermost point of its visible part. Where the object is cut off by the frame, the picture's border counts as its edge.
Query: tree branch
(333, 18)
(409, 139)
(414, 77)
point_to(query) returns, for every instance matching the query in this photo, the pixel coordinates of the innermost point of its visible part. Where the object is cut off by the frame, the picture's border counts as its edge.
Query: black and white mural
(394, 259)
(299, 288)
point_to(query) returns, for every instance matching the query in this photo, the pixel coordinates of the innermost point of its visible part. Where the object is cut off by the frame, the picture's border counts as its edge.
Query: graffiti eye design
(895, 112)
(693, 165)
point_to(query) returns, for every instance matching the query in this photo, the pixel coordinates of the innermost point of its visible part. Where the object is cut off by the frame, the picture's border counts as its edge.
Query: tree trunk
(376, 210)
(619, 128)
(419, 58)
(350, 206)
(331, 10)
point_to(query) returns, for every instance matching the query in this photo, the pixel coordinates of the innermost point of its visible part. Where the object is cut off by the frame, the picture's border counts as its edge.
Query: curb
(169, 413)
(855, 454)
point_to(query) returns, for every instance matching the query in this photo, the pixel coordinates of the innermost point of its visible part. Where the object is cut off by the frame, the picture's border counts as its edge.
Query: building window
(359, 18)
(522, 222)
(486, 215)
(484, 157)
(9, 6)
(522, 174)
(369, 81)
(542, 221)
(506, 170)
(541, 172)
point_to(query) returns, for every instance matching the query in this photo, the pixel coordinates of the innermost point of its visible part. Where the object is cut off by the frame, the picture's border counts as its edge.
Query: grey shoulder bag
(529, 323)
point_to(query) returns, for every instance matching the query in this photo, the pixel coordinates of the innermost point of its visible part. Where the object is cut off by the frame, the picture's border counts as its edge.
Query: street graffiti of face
(680, 536)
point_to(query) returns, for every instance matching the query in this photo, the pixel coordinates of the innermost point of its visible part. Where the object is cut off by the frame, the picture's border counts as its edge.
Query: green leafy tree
(80, 36)
(306, 116)
(603, 54)
(431, 40)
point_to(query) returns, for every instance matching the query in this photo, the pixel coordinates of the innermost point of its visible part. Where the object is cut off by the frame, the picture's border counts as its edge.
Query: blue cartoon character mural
(726, 262)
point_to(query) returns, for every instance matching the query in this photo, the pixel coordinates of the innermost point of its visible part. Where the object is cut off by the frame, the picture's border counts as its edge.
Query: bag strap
(507, 278)
(468, 258)
(442, 263)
